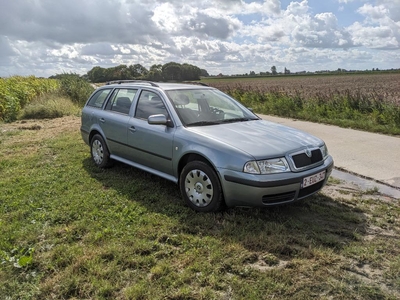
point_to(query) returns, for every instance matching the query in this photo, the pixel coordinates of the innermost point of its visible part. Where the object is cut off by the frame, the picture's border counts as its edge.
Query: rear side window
(121, 100)
(98, 98)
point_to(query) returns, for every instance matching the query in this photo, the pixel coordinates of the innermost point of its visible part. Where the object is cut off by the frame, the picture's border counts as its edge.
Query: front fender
(219, 155)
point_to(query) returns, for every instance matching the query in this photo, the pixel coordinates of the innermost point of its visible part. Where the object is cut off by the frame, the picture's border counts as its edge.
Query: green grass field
(71, 231)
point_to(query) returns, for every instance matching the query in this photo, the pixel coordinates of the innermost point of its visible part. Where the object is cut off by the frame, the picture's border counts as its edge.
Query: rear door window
(98, 99)
(121, 100)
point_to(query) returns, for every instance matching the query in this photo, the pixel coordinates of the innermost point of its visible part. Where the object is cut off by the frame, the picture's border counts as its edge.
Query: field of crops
(50, 95)
(17, 91)
(362, 101)
(382, 87)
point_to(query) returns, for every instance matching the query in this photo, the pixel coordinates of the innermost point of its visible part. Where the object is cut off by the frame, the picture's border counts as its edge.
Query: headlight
(324, 151)
(268, 166)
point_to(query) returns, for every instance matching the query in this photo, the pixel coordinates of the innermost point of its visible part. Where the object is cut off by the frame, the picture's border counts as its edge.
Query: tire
(99, 152)
(200, 187)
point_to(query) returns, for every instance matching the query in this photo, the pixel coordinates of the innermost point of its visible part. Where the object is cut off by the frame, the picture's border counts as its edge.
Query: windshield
(199, 107)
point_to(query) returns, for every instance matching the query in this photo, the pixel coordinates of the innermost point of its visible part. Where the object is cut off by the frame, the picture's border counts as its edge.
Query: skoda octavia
(218, 151)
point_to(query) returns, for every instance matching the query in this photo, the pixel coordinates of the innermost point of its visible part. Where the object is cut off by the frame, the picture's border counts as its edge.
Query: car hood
(259, 138)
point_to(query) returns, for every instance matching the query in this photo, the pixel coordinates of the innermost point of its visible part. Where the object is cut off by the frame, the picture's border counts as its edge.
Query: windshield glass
(199, 107)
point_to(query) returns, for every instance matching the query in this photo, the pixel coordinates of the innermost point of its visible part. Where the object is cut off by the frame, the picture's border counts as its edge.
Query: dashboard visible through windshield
(205, 106)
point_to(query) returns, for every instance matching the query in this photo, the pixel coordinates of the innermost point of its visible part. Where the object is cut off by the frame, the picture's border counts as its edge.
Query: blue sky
(45, 37)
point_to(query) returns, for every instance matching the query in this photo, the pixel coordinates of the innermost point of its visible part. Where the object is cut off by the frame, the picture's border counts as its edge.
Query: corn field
(361, 101)
(17, 91)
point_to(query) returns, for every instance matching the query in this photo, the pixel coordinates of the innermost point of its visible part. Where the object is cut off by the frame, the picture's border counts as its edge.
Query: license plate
(313, 179)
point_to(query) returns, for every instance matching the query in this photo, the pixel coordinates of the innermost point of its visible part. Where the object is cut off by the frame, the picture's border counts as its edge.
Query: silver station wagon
(218, 151)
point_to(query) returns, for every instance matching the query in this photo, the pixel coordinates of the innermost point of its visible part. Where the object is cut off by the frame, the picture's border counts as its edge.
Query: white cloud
(379, 30)
(374, 12)
(43, 37)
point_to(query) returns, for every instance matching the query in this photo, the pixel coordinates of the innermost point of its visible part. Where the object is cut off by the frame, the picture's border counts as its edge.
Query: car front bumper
(243, 189)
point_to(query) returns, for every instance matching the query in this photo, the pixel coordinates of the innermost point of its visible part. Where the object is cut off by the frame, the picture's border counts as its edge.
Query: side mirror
(159, 119)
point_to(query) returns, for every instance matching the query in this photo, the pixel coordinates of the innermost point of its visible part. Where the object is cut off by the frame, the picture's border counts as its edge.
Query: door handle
(132, 128)
(102, 120)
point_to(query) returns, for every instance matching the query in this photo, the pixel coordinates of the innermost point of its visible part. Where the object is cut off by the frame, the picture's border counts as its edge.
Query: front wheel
(200, 187)
(99, 151)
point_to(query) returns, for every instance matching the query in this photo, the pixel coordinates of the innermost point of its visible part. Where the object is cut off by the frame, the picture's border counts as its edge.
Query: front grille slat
(301, 160)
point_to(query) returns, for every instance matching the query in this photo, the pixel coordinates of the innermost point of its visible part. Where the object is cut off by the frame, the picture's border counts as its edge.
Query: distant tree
(204, 73)
(273, 70)
(190, 72)
(97, 74)
(155, 73)
(252, 73)
(176, 72)
(120, 72)
(155, 68)
(138, 71)
(287, 71)
(172, 71)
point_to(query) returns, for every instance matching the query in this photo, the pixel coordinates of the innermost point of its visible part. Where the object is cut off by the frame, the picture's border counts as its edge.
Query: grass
(69, 230)
(50, 106)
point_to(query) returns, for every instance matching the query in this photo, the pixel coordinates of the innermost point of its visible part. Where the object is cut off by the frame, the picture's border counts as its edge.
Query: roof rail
(195, 82)
(128, 81)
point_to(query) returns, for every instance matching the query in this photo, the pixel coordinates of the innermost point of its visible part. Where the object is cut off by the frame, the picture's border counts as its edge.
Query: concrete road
(371, 155)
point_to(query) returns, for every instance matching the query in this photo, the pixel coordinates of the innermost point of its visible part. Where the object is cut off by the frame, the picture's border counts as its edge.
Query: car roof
(161, 85)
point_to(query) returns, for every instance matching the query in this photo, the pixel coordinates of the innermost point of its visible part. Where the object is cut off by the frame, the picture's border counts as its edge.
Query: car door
(151, 145)
(114, 120)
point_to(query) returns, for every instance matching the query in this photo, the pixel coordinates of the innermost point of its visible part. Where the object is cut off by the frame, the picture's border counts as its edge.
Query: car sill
(144, 168)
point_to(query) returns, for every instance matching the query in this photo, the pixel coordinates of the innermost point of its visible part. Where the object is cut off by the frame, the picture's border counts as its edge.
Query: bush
(75, 87)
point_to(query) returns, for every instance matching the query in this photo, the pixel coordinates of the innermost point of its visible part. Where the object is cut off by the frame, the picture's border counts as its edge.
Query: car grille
(278, 198)
(301, 160)
(291, 196)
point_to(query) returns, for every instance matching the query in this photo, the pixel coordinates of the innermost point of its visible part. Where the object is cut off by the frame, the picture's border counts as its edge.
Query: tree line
(171, 71)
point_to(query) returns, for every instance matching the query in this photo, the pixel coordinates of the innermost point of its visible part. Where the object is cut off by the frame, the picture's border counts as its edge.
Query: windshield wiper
(203, 123)
(237, 120)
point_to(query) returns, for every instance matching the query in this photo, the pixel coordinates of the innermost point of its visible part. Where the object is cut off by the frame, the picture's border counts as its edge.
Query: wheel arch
(192, 157)
(93, 133)
(188, 157)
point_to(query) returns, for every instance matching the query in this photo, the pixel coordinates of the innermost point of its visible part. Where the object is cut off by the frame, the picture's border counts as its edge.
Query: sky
(48, 37)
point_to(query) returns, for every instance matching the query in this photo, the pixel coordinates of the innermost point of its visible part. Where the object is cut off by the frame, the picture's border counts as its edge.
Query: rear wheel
(200, 187)
(99, 151)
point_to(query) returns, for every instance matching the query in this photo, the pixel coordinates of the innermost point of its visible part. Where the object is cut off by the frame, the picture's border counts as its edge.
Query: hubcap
(97, 152)
(198, 187)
